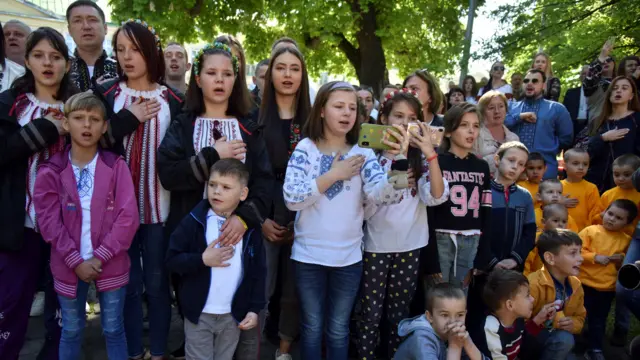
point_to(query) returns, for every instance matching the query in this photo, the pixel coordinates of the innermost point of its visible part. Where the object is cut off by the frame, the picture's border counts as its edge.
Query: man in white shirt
(15, 36)
(576, 104)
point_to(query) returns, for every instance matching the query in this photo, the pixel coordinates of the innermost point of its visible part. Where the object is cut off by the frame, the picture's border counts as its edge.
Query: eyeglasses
(534, 81)
(498, 68)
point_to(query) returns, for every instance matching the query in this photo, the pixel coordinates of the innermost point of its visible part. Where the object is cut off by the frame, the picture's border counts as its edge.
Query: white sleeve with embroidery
(424, 190)
(376, 186)
(300, 189)
(370, 207)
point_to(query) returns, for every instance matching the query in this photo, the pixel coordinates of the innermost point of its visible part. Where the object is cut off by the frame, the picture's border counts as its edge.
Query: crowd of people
(122, 178)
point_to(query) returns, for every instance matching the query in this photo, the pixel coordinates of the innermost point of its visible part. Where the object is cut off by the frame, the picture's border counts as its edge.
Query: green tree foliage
(572, 32)
(354, 37)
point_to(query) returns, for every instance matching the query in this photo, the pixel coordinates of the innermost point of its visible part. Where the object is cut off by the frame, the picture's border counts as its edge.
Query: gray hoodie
(422, 343)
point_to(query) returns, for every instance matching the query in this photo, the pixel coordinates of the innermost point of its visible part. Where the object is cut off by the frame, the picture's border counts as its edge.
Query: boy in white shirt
(224, 285)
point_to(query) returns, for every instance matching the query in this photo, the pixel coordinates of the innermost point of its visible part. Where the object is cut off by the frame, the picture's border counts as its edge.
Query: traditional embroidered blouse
(29, 108)
(328, 226)
(141, 149)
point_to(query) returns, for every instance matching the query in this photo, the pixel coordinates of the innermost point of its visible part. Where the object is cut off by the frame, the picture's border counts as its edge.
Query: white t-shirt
(224, 280)
(90, 68)
(84, 184)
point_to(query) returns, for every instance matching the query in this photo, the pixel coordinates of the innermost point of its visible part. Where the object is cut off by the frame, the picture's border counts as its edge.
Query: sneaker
(594, 355)
(280, 356)
(178, 354)
(87, 308)
(37, 306)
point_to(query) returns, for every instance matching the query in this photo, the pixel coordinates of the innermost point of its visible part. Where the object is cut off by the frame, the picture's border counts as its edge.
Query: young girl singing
(285, 108)
(140, 108)
(31, 131)
(215, 126)
(395, 234)
(328, 180)
(87, 211)
(462, 222)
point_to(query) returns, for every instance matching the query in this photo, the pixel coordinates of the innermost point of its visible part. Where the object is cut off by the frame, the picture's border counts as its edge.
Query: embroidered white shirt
(84, 184)
(224, 280)
(401, 227)
(328, 226)
(153, 199)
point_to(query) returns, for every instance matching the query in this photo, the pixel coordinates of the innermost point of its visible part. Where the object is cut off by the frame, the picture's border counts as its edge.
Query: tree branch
(196, 9)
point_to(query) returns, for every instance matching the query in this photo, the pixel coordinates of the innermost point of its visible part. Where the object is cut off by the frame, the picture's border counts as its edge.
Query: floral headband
(149, 27)
(396, 92)
(219, 46)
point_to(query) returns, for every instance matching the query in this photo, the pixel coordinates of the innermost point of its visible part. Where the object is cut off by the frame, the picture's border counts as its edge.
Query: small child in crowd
(534, 171)
(440, 333)
(582, 197)
(87, 210)
(554, 216)
(623, 167)
(507, 295)
(604, 248)
(512, 207)
(224, 285)
(550, 192)
(557, 283)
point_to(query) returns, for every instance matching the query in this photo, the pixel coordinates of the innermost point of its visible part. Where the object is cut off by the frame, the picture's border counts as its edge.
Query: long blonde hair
(549, 70)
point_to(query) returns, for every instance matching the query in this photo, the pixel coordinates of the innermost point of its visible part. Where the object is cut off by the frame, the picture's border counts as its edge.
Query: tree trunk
(372, 67)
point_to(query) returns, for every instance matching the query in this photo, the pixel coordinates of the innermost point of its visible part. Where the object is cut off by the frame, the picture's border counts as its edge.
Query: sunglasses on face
(609, 60)
(498, 68)
(534, 81)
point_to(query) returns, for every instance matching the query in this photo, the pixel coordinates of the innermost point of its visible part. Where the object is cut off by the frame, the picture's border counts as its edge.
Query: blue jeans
(150, 244)
(326, 296)
(73, 322)
(628, 300)
(456, 261)
(556, 345)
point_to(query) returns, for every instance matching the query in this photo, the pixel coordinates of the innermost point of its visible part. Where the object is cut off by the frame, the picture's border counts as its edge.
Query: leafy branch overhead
(354, 37)
(571, 31)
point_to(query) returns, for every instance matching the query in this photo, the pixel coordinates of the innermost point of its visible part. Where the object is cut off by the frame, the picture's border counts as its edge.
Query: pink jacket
(114, 219)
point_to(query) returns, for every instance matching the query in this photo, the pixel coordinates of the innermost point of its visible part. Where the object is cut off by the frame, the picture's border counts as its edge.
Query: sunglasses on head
(498, 68)
(534, 81)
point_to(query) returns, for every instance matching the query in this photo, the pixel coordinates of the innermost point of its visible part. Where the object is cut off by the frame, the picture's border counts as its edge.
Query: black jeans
(598, 304)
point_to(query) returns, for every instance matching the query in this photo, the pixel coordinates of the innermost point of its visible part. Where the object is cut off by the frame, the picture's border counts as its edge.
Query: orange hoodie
(596, 240)
(617, 193)
(589, 206)
(543, 292)
(532, 188)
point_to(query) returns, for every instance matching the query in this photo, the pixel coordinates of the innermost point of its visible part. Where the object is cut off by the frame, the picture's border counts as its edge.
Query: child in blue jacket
(224, 284)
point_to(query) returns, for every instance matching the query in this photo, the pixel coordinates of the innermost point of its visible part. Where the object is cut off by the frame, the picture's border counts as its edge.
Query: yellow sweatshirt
(589, 206)
(617, 193)
(532, 188)
(596, 240)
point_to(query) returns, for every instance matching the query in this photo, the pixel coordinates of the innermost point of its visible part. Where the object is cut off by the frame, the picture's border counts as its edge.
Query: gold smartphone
(371, 136)
(437, 132)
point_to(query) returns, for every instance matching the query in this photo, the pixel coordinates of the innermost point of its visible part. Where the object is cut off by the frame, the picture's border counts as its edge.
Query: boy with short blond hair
(550, 192)
(623, 168)
(534, 170)
(557, 283)
(582, 197)
(603, 251)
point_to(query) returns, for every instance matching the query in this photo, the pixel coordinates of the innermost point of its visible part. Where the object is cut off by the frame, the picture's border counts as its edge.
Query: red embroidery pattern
(294, 137)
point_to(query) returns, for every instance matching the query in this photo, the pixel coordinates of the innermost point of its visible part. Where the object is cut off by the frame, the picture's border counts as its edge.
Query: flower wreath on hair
(219, 46)
(395, 92)
(149, 27)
